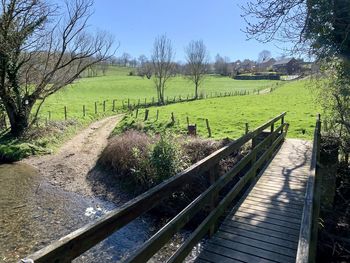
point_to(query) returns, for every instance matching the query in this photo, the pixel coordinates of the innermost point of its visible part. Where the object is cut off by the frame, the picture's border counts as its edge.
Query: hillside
(227, 116)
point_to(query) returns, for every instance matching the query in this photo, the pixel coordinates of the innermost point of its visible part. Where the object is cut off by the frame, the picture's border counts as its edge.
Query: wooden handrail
(309, 222)
(76, 243)
(158, 240)
(202, 229)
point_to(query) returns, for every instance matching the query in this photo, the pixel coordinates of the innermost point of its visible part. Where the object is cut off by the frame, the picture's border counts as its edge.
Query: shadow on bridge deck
(264, 226)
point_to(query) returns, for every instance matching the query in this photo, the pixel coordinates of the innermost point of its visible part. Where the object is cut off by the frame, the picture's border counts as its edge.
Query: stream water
(33, 213)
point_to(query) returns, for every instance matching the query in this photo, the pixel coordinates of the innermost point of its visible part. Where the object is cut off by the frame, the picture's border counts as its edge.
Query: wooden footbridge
(269, 213)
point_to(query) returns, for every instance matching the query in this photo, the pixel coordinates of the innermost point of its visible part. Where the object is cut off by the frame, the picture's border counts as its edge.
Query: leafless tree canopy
(320, 27)
(44, 47)
(163, 66)
(222, 65)
(282, 20)
(197, 63)
(264, 56)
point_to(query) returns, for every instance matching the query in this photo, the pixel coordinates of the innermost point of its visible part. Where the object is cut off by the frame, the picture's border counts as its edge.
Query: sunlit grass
(227, 116)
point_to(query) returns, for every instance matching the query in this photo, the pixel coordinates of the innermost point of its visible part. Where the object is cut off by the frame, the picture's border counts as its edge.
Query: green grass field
(227, 116)
(118, 85)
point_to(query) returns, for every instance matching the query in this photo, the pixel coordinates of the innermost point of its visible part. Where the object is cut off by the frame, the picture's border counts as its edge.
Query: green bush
(166, 158)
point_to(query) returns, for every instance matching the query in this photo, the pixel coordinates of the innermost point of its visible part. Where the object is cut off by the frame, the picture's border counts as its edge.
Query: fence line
(127, 104)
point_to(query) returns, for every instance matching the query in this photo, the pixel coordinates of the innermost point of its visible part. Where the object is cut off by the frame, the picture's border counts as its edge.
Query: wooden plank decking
(264, 226)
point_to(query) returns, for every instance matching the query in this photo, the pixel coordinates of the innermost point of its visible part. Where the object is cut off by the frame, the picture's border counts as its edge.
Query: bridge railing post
(213, 177)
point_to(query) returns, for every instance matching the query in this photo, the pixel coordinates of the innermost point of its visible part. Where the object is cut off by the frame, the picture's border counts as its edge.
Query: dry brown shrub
(125, 152)
(197, 148)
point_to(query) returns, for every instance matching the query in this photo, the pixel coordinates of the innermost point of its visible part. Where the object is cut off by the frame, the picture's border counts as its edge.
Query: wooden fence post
(104, 106)
(157, 115)
(208, 127)
(172, 117)
(246, 127)
(146, 114)
(188, 120)
(95, 107)
(65, 113)
(84, 111)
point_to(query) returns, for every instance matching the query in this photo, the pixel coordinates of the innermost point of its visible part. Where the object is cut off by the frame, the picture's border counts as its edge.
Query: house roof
(282, 61)
(268, 62)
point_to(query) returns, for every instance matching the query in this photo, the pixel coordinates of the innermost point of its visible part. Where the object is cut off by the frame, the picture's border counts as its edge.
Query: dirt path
(69, 167)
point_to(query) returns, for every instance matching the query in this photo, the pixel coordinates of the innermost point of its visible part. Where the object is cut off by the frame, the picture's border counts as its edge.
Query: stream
(34, 213)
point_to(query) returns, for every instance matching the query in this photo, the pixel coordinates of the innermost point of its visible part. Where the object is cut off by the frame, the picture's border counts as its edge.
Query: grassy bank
(118, 85)
(227, 116)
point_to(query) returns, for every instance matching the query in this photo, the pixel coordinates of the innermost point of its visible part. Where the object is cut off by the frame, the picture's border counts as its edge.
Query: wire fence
(123, 105)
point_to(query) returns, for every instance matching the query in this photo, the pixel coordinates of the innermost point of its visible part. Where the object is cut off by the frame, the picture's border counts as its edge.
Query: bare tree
(197, 63)
(282, 20)
(318, 28)
(222, 65)
(125, 58)
(142, 59)
(43, 47)
(162, 61)
(264, 56)
(145, 67)
(103, 66)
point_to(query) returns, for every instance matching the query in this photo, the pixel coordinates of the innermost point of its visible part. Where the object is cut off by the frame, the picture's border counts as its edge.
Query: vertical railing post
(272, 138)
(213, 177)
(253, 164)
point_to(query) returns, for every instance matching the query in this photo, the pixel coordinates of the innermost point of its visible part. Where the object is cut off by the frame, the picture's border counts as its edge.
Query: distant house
(266, 65)
(288, 66)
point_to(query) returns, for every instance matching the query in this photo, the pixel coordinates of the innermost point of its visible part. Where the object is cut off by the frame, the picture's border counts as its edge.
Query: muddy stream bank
(45, 198)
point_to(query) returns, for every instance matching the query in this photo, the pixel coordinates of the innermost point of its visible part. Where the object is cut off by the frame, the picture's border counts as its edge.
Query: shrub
(167, 158)
(126, 152)
(197, 149)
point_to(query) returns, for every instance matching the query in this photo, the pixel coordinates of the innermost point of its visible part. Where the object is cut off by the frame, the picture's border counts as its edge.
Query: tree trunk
(19, 121)
(196, 91)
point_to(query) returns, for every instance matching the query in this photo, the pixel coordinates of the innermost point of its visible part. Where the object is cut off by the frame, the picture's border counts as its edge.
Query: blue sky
(136, 23)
